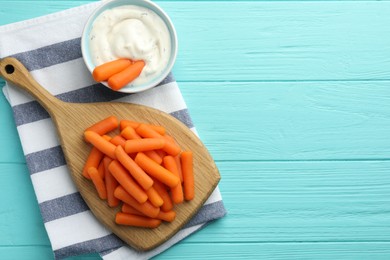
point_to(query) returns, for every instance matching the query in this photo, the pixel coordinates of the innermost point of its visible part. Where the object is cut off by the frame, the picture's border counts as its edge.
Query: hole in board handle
(9, 69)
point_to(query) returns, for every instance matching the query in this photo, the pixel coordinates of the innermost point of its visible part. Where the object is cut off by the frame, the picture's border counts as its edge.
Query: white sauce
(131, 32)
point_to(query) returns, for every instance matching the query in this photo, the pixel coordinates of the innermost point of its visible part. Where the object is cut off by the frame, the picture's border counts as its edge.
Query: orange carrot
(138, 174)
(162, 191)
(130, 73)
(129, 133)
(156, 170)
(188, 174)
(98, 182)
(147, 132)
(122, 176)
(177, 191)
(126, 208)
(154, 156)
(118, 140)
(101, 169)
(111, 183)
(124, 123)
(106, 70)
(178, 165)
(145, 144)
(93, 160)
(168, 216)
(145, 208)
(154, 197)
(136, 221)
(104, 126)
(100, 143)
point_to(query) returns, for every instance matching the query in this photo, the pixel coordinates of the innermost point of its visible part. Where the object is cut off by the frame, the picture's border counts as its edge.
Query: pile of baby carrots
(142, 169)
(118, 73)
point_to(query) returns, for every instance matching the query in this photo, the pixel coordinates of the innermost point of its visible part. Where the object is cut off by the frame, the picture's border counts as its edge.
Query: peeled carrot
(136, 221)
(93, 160)
(127, 182)
(106, 70)
(101, 169)
(178, 165)
(162, 191)
(145, 144)
(177, 191)
(104, 126)
(154, 197)
(154, 156)
(168, 216)
(156, 170)
(126, 208)
(130, 73)
(138, 174)
(118, 140)
(145, 208)
(148, 132)
(111, 183)
(100, 143)
(124, 123)
(98, 182)
(188, 175)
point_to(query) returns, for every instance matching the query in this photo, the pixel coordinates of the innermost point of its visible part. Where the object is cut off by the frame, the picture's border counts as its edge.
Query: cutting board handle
(15, 72)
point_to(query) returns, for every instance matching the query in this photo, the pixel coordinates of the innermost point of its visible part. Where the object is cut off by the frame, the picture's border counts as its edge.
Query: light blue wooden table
(293, 101)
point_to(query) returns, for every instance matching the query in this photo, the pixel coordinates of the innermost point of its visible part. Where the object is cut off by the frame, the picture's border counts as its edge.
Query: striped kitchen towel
(49, 47)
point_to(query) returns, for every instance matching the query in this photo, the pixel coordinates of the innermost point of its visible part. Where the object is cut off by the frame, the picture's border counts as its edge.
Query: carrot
(124, 123)
(154, 156)
(126, 208)
(145, 144)
(178, 165)
(154, 197)
(101, 169)
(168, 216)
(145, 208)
(162, 191)
(100, 143)
(188, 174)
(106, 70)
(111, 183)
(104, 126)
(177, 191)
(127, 182)
(118, 140)
(138, 174)
(93, 160)
(136, 221)
(130, 73)
(98, 182)
(147, 132)
(156, 170)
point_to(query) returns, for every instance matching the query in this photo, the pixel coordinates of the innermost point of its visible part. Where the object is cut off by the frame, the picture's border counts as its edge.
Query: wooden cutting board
(71, 119)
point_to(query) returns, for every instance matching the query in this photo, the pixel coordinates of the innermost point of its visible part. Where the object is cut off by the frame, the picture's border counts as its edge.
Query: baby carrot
(136, 221)
(188, 175)
(162, 191)
(106, 70)
(118, 140)
(126, 208)
(93, 160)
(156, 170)
(100, 143)
(101, 169)
(98, 182)
(145, 144)
(154, 197)
(154, 156)
(145, 208)
(104, 126)
(147, 132)
(138, 174)
(178, 164)
(127, 182)
(124, 123)
(111, 183)
(130, 73)
(168, 216)
(177, 191)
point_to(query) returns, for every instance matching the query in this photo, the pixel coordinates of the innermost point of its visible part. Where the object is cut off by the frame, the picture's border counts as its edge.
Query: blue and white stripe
(49, 47)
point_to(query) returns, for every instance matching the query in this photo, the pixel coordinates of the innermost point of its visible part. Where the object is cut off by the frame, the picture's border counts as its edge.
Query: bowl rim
(108, 4)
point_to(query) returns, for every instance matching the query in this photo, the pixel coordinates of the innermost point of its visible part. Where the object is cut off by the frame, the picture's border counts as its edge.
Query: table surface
(293, 101)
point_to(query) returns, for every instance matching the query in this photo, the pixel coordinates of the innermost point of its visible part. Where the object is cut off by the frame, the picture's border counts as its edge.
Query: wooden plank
(271, 40)
(291, 120)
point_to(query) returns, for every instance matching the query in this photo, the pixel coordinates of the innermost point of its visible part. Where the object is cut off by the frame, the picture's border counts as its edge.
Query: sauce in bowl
(132, 32)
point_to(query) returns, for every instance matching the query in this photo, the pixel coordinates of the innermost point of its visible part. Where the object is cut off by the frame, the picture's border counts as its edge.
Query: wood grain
(72, 119)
